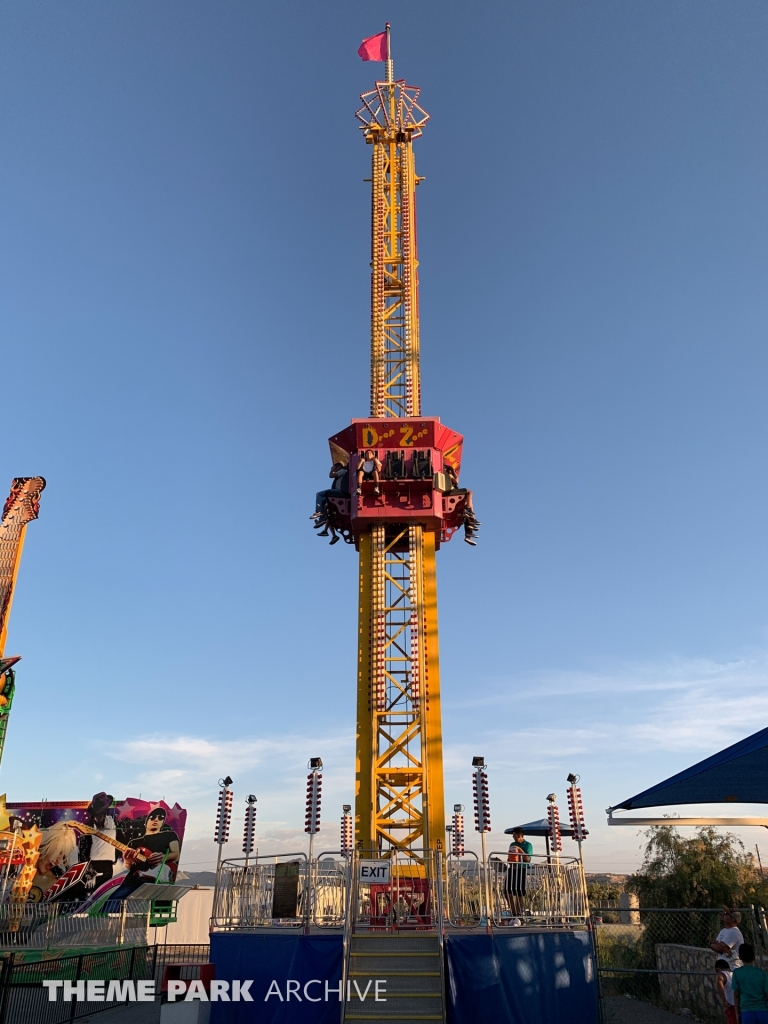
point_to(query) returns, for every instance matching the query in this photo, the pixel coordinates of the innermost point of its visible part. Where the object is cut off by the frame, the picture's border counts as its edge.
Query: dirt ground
(620, 1010)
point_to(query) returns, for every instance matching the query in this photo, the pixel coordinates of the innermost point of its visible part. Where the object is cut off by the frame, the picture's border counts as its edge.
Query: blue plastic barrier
(527, 978)
(523, 978)
(272, 961)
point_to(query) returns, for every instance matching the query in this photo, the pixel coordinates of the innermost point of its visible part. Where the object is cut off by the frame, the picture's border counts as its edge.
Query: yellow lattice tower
(399, 792)
(403, 501)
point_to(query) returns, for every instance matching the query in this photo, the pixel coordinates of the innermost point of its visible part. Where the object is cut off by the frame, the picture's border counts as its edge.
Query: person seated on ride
(339, 488)
(471, 523)
(368, 469)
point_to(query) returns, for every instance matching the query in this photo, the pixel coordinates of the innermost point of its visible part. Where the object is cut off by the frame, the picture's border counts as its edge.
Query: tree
(709, 870)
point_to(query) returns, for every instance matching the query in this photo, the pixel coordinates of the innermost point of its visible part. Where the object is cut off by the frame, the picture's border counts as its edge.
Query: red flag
(374, 47)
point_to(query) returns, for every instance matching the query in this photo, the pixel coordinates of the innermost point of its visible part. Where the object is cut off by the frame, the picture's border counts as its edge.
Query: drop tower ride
(399, 501)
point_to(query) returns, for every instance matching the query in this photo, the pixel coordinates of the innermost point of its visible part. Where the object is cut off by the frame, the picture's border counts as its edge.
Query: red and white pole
(346, 831)
(553, 817)
(457, 833)
(482, 824)
(249, 831)
(221, 834)
(576, 813)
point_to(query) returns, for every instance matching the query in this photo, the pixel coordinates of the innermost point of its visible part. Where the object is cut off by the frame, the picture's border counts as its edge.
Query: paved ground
(136, 1013)
(620, 1010)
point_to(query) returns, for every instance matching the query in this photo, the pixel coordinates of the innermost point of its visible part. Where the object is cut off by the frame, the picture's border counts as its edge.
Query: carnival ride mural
(93, 853)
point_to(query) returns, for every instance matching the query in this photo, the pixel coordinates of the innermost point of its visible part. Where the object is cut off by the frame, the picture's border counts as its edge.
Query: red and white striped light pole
(553, 817)
(249, 831)
(457, 832)
(576, 812)
(312, 824)
(221, 835)
(482, 822)
(314, 795)
(346, 831)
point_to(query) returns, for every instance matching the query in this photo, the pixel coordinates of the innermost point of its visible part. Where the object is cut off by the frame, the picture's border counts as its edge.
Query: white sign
(376, 871)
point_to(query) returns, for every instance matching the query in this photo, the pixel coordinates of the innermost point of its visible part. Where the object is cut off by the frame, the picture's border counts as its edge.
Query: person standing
(729, 938)
(750, 988)
(518, 858)
(725, 990)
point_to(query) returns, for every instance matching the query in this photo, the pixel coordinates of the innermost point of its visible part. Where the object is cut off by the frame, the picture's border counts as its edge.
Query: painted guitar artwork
(140, 857)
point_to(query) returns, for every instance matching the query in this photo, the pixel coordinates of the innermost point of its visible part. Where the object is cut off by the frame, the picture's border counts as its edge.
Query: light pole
(312, 820)
(346, 831)
(221, 836)
(457, 831)
(482, 824)
(553, 817)
(576, 813)
(249, 831)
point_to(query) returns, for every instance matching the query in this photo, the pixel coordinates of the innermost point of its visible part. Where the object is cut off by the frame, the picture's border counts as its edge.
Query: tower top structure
(391, 119)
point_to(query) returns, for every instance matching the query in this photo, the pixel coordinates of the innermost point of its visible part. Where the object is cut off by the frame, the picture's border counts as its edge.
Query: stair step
(400, 984)
(410, 943)
(379, 967)
(394, 1020)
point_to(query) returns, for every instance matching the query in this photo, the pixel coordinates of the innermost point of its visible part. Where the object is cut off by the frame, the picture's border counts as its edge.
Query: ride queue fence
(424, 890)
(23, 1000)
(661, 955)
(57, 925)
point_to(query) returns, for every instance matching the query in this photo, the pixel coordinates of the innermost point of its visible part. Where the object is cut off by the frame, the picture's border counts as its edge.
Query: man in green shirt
(519, 855)
(750, 988)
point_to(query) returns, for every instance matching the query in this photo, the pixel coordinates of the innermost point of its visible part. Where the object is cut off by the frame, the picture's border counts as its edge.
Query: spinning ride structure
(399, 521)
(21, 507)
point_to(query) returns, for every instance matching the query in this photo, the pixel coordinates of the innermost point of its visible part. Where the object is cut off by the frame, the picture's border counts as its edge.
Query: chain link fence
(23, 1000)
(662, 956)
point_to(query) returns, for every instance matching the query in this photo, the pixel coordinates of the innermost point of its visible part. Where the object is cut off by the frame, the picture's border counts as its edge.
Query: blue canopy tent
(738, 774)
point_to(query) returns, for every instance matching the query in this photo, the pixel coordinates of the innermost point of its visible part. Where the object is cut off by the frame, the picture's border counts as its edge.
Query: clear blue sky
(184, 318)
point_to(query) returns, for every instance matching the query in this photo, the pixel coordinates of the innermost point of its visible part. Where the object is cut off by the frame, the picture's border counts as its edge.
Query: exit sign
(373, 871)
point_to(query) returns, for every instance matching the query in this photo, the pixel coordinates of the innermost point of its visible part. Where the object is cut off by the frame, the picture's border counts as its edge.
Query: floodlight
(478, 762)
(226, 782)
(315, 763)
(458, 808)
(573, 779)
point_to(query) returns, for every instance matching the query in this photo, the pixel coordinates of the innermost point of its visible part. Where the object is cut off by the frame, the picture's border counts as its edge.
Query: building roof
(738, 774)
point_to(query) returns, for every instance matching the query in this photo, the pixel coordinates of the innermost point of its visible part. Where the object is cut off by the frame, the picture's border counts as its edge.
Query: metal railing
(422, 889)
(548, 891)
(411, 898)
(282, 891)
(58, 925)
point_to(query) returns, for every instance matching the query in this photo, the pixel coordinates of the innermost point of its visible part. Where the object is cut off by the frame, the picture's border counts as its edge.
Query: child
(725, 991)
(750, 988)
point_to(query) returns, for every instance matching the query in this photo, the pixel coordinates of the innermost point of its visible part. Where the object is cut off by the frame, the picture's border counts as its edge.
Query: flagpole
(389, 65)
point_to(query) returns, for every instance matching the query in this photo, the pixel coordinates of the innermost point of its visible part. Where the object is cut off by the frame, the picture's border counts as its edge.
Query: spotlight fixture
(573, 779)
(315, 764)
(226, 782)
(478, 762)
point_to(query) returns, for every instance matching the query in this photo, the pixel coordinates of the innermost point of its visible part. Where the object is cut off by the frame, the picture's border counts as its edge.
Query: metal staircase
(410, 965)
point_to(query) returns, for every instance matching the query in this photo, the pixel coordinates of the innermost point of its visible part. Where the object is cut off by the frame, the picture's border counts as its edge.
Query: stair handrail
(349, 927)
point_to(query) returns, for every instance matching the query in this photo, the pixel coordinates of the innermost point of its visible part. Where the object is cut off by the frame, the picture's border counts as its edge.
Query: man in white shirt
(729, 939)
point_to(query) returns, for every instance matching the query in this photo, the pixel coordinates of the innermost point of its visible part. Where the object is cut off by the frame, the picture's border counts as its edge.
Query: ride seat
(421, 468)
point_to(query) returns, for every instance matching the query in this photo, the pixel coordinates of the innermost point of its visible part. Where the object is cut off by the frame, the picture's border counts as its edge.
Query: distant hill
(205, 878)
